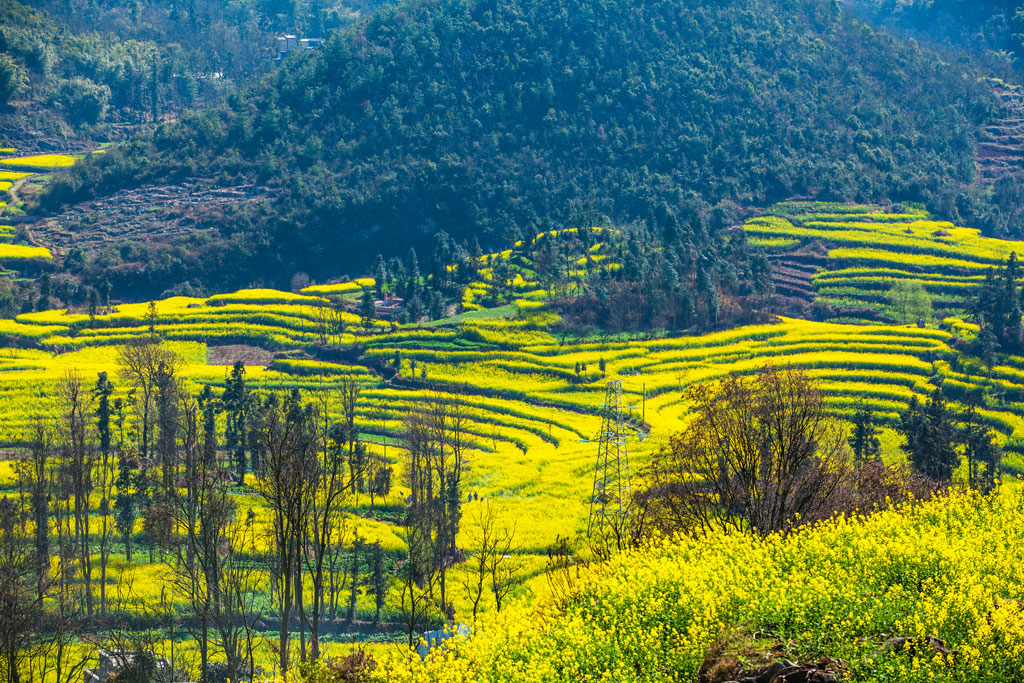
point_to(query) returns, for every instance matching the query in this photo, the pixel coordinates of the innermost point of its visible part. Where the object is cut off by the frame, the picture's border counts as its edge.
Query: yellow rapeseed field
(949, 568)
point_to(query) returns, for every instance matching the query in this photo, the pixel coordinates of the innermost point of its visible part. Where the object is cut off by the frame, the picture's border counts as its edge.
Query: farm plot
(870, 250)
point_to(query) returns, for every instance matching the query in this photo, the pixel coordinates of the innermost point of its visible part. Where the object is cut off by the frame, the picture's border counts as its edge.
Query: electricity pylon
(611, 502)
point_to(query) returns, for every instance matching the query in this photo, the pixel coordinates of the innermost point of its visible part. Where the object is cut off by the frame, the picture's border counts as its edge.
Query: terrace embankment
(1001, 149)
(152, 213)
(793, 272)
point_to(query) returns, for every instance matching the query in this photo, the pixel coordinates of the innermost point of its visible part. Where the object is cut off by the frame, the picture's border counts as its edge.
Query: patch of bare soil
(232, 353)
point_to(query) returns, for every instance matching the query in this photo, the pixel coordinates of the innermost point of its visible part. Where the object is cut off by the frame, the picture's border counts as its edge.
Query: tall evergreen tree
(237, 402)
(864, 439)
(380, 274)
(104, 411)
(930, 437)
(367, 307)
(980, 451)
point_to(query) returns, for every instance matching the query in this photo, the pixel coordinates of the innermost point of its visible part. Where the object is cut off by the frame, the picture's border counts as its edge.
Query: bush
(357, 667)
(13, 79)
(84, 101)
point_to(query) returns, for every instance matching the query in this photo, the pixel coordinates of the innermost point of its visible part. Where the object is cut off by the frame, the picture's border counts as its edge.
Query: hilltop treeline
(81, 64)
(495, 120)
(990, 29)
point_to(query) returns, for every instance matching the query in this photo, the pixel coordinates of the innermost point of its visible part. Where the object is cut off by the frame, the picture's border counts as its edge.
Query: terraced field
(14, 172)
(524, 388)
(533, 399)
(868, 250)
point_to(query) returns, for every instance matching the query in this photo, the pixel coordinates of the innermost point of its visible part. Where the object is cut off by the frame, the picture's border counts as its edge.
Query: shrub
(84, 101)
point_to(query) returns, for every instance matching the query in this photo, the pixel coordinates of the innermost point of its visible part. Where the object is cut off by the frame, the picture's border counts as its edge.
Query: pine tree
(930, 437)
(864, 439)
(236, 403)
(101, 393)
(105, 288)
(380, 272)
(126, 505)
(151, 318)
(367, 307)
(989, 343)
(980, 450)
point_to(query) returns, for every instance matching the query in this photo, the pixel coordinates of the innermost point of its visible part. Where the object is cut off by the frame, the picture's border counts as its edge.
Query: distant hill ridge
(492, 120)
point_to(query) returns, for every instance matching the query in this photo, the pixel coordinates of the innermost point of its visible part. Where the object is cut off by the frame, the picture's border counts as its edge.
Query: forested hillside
(54, 81)
(495, 120)
(73, 73)
(989, 29)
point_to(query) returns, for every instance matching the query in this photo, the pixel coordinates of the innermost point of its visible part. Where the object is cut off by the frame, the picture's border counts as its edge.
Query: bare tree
(503, 565)
(35, 485)
(287, 487)
(133, 648)
(759, 453)
(139, 362)
(79, 460)
(209, 561)
(106, 475)
(21, 603)
(494, 558)
(349, 394)
(326, 522)
(415, 602)
(436, 442)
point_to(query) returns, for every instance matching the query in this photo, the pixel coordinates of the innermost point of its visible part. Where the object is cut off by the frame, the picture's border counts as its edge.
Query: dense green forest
(52, 78)
(219, 30)
(69, 65)
(991, 30)
(498, 120)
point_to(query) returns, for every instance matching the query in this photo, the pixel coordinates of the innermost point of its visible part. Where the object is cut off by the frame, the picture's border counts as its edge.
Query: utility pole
(611, 501)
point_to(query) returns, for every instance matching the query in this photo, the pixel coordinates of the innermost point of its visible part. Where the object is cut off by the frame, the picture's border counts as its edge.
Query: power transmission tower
(611, 502)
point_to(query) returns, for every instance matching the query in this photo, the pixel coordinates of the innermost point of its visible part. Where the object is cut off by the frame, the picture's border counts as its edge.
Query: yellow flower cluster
(41, 161)
(951, 568)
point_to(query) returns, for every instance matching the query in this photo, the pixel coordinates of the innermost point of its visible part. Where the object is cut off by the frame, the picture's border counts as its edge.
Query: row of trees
(152, 449)
(141, 445)
(659, 282)
(998, 310)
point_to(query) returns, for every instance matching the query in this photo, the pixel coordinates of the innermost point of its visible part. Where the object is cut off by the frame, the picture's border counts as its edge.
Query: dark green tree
(864, 439)
(380, 275)
(982, 453)
(237, 405)
(367, 308)
(104, 411)
(930, 437)
(13, 79)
